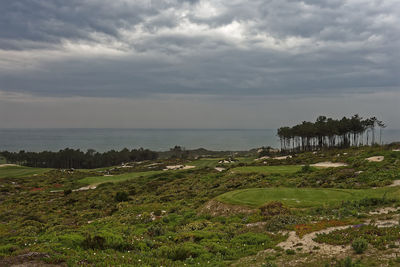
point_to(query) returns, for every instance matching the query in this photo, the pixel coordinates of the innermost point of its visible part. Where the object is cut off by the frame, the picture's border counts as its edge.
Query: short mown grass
(303, 197)
(205, 162)
(116, 178)
(20, 171)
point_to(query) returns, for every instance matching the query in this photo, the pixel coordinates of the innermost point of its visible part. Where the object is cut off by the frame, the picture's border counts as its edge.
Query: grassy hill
(250, 213)
(20, 171)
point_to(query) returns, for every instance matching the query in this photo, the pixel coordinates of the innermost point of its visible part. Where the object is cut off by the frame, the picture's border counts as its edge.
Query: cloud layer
(227, 48)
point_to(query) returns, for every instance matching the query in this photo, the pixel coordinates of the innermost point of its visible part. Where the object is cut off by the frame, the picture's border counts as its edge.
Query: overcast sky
(197, 63)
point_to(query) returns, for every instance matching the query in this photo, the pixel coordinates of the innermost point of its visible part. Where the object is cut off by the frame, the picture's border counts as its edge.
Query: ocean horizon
(104, 139)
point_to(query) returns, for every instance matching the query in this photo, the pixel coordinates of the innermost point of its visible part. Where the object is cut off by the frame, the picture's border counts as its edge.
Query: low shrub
(359, 245)
(281, 222)
(273, 208)
(67, 192)
(121, 196)
(94, 242)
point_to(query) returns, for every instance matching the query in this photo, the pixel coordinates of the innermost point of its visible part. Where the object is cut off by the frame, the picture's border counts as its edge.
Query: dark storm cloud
(135, 48)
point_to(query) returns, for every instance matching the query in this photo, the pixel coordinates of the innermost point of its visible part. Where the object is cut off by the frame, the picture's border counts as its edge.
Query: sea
(101, 140)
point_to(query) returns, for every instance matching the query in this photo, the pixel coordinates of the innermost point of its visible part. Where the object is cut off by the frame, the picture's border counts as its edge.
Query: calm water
(155, 139)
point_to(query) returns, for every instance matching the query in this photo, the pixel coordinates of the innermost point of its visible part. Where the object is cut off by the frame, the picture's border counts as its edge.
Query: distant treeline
(327, 132)
(71, 158)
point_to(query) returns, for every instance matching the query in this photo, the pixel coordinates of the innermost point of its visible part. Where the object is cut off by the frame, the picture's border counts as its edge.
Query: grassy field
(302, 197)
(19, 171)
(116, 178)
(205, 162)
(284, 169)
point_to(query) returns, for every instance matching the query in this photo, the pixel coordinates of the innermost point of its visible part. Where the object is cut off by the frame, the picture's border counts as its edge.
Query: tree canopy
(327, 132)
(75, 158)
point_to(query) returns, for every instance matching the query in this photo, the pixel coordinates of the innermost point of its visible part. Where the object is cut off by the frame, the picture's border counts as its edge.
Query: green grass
(94, 180)
(205, 162)
(20, 171)
(284, 169)
(302, 197)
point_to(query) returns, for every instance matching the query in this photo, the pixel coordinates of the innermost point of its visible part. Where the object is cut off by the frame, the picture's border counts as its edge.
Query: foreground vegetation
(220, 212)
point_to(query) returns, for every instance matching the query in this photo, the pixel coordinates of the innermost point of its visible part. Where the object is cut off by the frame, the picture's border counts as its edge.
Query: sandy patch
(187, 167)
(385, 210)
(283, 157)
(395, 183)
(178, 167)
(89, 187)
(262, 158)
(375, 159)
(328, 164)
(308, 244)
(9, 165)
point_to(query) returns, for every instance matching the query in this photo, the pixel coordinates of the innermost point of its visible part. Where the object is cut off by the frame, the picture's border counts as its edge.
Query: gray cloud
(226, 48)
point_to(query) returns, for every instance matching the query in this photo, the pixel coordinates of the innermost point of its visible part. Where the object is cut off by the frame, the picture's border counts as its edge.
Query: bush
(186, 250)
(157, 212)
(281, 222)
(290, 252)
(273, 208)
(306, 169)
(359, 245)
(94, 242)
(121, 196)
(348, 262)
(155, 230)
(67, 192)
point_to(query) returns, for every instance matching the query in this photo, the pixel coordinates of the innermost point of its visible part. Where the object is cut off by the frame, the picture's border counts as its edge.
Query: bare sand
(283, 157)
(178, 167)
(375, 159)
(308, 244)
(89, 187)
(395, 183)
(328, 164)
(262, 158)
(9, 165)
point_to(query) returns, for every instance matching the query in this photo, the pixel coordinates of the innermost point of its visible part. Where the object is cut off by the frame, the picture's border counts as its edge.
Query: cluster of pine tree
(327, 133)
(75, 158)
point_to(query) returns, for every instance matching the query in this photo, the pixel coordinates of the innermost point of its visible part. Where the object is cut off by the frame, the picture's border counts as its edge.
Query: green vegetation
(20, 171)
(282, 169)
(140, 215)
(302, 197)
(359, 245)
(95, 180)
(74, 158)
(206, 162)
